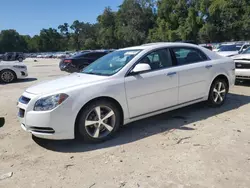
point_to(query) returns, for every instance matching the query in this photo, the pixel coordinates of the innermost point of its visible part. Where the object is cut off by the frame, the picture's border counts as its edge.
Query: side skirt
(164, 110)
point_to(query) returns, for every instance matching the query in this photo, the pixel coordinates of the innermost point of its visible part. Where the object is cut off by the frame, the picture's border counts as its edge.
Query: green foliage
(10, 41)
(140, 21)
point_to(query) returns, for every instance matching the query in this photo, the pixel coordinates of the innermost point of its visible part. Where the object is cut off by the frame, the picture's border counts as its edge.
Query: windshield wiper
(95, 73)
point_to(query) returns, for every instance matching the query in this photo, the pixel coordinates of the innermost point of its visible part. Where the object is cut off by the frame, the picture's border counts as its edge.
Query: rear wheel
(98, 121)
(20, 59)
(7, 76)
(218, 93)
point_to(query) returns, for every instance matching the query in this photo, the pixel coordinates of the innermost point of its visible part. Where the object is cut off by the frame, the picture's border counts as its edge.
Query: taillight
(67, 61)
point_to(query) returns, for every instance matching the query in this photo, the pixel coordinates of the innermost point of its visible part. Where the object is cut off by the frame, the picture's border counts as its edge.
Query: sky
(30, 16)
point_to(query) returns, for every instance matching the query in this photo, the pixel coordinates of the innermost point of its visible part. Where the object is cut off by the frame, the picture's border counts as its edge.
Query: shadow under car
(141, 129)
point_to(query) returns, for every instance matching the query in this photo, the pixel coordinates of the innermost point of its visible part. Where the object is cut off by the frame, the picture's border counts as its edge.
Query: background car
(81, 60)
(13, 56)
(231, 49)
(12, 70)
(242, 65)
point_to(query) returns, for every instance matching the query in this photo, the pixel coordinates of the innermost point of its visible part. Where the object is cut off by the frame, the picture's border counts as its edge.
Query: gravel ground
(193, 147)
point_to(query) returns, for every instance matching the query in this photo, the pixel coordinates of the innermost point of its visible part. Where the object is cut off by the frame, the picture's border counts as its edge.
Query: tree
(106, 34)
(81, 32)
(11, 41)
(133, 21)
(141, 21)
(76, 35)
(64, 30)
(50, 40)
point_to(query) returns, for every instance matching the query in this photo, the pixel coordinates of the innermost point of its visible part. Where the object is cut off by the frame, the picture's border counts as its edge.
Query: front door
(194, 73)
(153, 90)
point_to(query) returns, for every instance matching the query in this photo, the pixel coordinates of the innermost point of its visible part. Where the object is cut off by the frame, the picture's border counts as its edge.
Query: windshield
(111, 63)
(233, 47)
(247, 51)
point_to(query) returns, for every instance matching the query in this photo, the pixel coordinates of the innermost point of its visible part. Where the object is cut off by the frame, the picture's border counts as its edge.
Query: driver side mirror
(141, 67)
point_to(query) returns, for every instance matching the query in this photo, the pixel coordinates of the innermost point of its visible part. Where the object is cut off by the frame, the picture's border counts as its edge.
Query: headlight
(19, 67)
(51, 102)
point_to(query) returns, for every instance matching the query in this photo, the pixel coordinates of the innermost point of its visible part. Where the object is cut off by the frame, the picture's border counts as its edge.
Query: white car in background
(228, 50)
(242, 65)
(124, 86)
(12, 70)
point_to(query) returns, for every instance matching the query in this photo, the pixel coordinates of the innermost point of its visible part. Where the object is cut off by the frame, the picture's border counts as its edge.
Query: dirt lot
(192, 147)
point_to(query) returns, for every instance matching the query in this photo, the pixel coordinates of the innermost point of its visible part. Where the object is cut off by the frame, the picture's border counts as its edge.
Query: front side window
(111, 63)
(188, 55)
(158, 59)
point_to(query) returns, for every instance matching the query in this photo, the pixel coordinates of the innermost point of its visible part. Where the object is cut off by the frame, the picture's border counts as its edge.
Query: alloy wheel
(100, 122)
(219, 92)
(7, 76)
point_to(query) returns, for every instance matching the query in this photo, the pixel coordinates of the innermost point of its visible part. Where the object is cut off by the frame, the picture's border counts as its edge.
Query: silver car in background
(242, 65)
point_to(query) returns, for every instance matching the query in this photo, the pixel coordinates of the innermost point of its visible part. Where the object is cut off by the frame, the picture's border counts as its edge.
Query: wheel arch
(223, 77)
(114, 101)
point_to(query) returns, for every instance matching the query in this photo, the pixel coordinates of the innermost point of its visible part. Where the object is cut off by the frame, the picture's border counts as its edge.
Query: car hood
(71, 80)
(227, 53)
(242, 57)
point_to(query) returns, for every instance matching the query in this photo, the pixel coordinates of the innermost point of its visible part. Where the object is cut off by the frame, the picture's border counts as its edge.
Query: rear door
(194, 71)
(82, 60)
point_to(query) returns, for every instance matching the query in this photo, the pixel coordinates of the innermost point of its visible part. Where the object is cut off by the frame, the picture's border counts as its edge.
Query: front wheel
(218, 93)
(99, 121)
(7, 76)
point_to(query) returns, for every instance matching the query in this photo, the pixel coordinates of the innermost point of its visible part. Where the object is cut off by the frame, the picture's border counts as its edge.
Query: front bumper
(242, 74)
(55, 124)
(22, 73)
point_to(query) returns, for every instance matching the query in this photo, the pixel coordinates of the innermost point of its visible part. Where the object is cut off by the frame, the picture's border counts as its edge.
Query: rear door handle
(209, 66)
(171, 73)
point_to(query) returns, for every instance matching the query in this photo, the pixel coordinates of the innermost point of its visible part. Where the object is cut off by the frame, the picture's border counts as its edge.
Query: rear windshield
(224, 48)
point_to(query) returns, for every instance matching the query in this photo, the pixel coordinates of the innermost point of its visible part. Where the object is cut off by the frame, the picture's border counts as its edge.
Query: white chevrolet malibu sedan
(124, 86)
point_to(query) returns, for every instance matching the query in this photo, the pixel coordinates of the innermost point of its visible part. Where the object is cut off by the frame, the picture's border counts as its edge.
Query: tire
(96, 131)
(7, 76)
(218, 93)
(20, 59)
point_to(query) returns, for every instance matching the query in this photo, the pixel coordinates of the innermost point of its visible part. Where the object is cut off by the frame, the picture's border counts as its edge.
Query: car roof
(159, 45)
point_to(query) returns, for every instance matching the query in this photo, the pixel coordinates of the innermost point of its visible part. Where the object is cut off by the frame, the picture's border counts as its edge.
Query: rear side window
(98, 55)
(186, 56)
(95, 55)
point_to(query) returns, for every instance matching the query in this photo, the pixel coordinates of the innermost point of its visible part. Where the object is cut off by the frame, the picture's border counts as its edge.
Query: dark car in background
(79, 61)
(13, 56)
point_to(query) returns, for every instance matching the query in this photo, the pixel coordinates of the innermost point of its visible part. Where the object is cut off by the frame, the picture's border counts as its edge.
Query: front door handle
(171, 73)
(209, 66)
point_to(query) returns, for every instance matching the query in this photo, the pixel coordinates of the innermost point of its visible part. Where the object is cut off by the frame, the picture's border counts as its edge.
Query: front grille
(21, 112)
(24, 100)
(243, 77)
(239, 65)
